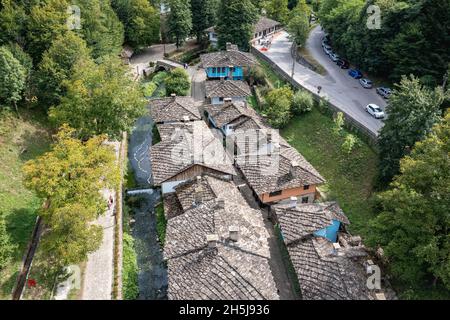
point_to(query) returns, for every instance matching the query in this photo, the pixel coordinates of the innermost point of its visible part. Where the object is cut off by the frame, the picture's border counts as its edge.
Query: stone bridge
(167, 65)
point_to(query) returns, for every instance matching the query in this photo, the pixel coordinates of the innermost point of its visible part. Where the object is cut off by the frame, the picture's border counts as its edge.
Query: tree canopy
(236, 26)
(278, 106)
(204, 15)
(177, 82)
(413, 110)
(179, 20)
(414, 225)
(100, 99)
(12, 78)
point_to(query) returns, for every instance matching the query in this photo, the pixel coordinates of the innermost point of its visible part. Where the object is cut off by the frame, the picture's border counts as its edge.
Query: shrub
(278, 106)
(256, 76)
(302, 102)
(178, 82)
(6, 248)
(349, 143)
(159, 77)
(149, 88)
(130, 269)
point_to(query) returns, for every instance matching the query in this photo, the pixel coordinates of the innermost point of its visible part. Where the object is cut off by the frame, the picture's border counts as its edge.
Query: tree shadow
(19, 225)
(33, 144)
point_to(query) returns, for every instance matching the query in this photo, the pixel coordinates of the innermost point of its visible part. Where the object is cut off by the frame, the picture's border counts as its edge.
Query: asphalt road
(341, 90)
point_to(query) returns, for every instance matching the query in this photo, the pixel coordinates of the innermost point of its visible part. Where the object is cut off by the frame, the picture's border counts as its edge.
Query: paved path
(99, 272)
(340, 89)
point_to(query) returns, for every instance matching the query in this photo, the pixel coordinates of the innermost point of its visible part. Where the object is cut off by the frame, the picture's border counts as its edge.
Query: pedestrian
(318, 89)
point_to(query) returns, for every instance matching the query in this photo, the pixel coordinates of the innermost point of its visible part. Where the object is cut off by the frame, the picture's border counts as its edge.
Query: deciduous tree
(180, 20)
(12, 78)
(278, 106)
(177, 82)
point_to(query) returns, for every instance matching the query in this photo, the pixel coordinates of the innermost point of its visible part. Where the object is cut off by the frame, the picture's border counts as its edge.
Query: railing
(350, 121)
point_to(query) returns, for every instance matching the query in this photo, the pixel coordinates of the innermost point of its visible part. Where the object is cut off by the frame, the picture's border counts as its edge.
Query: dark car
(356, 74)
(343, 64)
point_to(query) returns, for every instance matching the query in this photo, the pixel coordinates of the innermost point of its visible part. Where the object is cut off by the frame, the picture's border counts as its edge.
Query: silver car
(327, 49)
(384, 92)
(375, 111)
(366, 83)
(334, 57)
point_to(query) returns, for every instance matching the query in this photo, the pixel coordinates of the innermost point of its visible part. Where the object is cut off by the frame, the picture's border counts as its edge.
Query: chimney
(293, 202)
(212, 240)
(220, 204)
(234, 233)
(222, 78)
(173, 96)
(294, 167)
(227, 101)
(230, 46)
(336, 246)
(186, 119)
(197, 195)
(380, 296)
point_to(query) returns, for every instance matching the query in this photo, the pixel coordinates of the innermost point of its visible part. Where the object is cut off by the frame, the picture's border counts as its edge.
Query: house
(212, 37)
(216, 247)
(330, 263)
(232, 116)
(264, 28)
(186, 150)
(278, 174)
(218, 90)
(230, 64)
(174, 109)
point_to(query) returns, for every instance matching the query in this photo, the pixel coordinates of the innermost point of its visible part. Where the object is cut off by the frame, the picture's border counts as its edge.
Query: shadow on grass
(7, 286)
(34, 144)
(19, 225)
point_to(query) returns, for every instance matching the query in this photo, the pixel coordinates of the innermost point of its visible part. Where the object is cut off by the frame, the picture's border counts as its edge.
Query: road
(340, 89)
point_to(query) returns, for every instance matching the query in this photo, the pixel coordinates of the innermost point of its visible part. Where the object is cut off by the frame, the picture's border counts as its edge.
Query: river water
(152, 276)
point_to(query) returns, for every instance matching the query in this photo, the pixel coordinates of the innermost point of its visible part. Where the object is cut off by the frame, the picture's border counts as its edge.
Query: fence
(351, 122)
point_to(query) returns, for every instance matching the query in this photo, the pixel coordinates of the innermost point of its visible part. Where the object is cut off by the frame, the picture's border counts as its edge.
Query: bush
(149, 88)
(159, 77)
(6, 248)
(161, 223)
(278, 106)
(302, 102)
(178, 82)
(130, 269)
(256, 76)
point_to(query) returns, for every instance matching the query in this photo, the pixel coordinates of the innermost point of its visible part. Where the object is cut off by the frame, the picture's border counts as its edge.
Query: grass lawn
(161, 223)
(20, 140)
(349, 178)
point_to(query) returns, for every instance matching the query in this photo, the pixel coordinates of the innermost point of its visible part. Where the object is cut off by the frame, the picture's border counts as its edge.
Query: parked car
(356, 74)
(327, 49)
(366, 83)
(325, 41)
(334, 57)
(384, 92)
(343, 64)
(375, 111)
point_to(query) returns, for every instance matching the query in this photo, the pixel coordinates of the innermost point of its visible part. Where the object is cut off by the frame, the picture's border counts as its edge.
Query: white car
(366, 83)
(334, 57)
(375, 111)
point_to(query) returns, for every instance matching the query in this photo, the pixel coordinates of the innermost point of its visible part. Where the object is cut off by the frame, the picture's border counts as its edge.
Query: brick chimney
(227, 101)
(294, 166)
(173, 96)
(293, 202)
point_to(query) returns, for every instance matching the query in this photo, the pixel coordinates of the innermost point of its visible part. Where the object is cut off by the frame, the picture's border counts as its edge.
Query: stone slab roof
(284, 169)
(227, 88)
(305, 219)
(238, 114)
(227, 58)
(174, 109)
(265, 23)
(229, 270)
(184, 145)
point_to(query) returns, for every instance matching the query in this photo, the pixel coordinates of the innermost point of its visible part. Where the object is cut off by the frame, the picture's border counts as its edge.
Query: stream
(152, 276)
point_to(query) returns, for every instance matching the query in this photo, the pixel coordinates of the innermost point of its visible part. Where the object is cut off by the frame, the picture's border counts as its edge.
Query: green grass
(161, 223)
(271, 76)
(350, 178)
(20, 140)
(130, 269)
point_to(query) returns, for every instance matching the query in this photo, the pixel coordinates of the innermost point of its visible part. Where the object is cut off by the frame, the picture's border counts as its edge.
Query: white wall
(168, 187)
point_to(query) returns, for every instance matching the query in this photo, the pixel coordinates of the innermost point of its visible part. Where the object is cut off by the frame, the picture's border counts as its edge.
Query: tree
(69, 179)
(141, 21)
(101, 28)
(46, 22)
(302, 102)
(350, 142)
(180, 20)
(413, 110)
(6, 248)
(339, 122)
(100, 99)
(177, 82)
(12, 78)
(277, 10)
(413, 227)
(203, 16)
(12, 22)
(298, 29)
(57, 66)
(237, 25)
(278, 106)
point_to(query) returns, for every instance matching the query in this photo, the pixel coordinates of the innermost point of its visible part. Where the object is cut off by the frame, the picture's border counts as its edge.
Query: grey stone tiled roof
(193, 192)
(173, 109)
(237, 113)
(227, 58)
(229, 270)
(292, 170)
(305, 219)
(227, 88)
(265, 23)
(184, 145)
(324, 272)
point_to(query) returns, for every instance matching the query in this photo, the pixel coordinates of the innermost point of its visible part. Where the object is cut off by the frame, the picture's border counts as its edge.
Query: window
(275, 193)
(221, 99)
(305, 199)
(223, 69)
(214, 70)
(306, 187)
